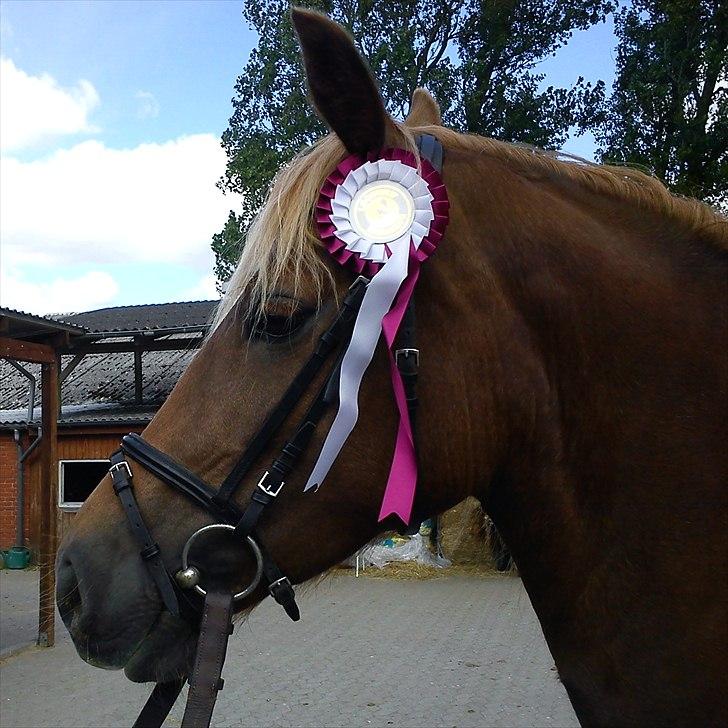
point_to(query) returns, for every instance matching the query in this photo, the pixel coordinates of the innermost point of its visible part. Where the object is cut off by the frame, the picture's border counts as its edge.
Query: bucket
(18, 557)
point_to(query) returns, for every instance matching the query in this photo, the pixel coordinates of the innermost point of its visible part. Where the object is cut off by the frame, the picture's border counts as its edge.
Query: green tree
(476, 57)
(668, 110)
(499, 44)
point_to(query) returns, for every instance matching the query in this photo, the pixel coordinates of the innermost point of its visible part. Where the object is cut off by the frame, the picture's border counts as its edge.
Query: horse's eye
(281, 318)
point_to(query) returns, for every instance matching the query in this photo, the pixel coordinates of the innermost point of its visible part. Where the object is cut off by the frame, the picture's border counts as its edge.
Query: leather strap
(408, 363)
(158, 705)
(430, 148)
(329, 340)
(206, 680)
(273, 480)
(121, 480)
(168, 470)
(279, 586)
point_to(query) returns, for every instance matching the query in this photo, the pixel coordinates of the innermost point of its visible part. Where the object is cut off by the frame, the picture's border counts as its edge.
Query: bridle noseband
(178, 591)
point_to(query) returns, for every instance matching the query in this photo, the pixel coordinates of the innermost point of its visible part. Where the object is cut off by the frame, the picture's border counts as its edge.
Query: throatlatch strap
(158, 705)
(206, 682)
(408, 362)
(121, 480)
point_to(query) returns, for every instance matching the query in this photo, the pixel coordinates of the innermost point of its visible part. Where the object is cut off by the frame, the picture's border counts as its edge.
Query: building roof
(192, 315)
(99, 380)
(20, 325)
(84, 415)
(100, 388)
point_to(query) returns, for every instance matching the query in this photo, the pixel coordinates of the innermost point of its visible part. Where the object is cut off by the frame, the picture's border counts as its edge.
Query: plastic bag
(414, 549)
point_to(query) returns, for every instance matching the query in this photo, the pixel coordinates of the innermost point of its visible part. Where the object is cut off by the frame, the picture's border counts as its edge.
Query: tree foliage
(669, 108)
(499, 44)
(475, 56)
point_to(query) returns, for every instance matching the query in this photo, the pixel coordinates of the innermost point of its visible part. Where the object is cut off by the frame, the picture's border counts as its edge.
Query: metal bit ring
(253, 547)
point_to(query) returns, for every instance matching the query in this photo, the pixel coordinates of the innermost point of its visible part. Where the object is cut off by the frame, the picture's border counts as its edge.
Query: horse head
(285, 292)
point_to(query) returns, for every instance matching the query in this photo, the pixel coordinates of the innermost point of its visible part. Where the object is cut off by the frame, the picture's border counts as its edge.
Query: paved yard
(457, 651)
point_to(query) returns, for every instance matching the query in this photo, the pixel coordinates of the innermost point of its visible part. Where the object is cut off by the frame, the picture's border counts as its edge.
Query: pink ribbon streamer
(399, 493)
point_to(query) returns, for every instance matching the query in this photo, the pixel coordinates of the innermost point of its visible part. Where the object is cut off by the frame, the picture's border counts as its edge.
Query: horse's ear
(341, 86)
(424, 110)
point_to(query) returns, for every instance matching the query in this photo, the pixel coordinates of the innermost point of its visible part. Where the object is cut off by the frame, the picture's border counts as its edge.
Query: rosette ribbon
(384, 216)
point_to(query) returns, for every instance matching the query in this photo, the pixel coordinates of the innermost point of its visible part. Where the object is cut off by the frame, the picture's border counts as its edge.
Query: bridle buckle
(278, 582)
(406, 353)
(123, 465)
(272, 492)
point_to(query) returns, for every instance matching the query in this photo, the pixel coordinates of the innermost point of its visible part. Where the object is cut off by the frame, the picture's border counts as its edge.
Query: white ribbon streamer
(378, 299)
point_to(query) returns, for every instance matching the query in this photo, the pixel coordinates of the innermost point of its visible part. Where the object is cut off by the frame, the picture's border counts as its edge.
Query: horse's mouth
(165, 653)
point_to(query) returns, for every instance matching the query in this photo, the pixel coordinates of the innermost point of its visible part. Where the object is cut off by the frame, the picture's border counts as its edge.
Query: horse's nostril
(68, 595)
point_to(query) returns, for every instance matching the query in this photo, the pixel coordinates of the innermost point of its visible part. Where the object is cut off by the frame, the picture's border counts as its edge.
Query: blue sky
(110, 152)
(186, 54)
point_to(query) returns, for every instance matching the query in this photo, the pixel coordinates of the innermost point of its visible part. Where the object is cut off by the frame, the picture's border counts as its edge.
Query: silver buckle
(359, 280)
(269, 491)
(118, 466)
(408, 352)
(274, 584)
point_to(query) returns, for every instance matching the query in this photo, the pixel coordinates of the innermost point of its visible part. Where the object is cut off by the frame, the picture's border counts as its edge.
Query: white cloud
(61, 295)
(148, 105)
(204, 290)
(35, 108)
(91, 203)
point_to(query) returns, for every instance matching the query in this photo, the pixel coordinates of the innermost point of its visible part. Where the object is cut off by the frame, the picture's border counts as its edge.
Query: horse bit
(215, 622)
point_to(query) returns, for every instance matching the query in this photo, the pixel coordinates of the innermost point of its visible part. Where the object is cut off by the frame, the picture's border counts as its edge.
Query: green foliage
(669, 108)
(475, 56)
(499, 44)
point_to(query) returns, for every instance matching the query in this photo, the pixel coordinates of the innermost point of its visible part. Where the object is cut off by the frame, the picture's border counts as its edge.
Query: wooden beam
(115, 347)
(48, 503)
(26, 351)
(71, 366)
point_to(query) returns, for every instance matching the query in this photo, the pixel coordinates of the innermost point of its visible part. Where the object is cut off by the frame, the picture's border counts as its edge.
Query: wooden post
(48, 503)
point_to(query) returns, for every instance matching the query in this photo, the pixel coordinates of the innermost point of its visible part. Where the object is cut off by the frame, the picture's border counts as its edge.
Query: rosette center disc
(382, 211)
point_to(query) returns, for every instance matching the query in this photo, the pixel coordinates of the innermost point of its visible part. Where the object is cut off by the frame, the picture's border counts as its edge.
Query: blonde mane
(281, 240)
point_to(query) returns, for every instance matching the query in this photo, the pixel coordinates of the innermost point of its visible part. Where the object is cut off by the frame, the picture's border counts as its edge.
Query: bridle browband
(177, 592)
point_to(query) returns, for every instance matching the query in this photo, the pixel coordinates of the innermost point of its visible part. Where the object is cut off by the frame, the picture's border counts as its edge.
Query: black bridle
(214, 620)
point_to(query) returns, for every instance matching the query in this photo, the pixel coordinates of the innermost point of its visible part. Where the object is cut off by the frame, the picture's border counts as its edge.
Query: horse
(572, 327)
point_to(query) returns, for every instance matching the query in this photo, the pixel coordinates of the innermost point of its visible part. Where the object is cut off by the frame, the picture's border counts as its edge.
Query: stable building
(115, 367)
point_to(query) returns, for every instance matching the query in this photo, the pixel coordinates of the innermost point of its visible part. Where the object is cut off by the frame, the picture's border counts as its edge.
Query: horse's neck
(607, 490)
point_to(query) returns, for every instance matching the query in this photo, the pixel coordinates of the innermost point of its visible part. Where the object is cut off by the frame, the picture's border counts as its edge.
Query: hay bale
(464, 535)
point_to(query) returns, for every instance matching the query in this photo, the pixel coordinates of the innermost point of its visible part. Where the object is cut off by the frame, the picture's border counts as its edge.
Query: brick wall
(71, 446)
(8, 489)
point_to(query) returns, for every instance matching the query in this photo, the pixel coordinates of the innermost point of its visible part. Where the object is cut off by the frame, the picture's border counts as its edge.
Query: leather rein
(181, 593)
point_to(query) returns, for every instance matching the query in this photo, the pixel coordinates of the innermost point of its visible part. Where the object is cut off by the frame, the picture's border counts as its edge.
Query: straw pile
(464, 532)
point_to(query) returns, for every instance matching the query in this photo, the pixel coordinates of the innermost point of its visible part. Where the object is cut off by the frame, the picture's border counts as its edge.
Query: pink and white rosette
(410, 207)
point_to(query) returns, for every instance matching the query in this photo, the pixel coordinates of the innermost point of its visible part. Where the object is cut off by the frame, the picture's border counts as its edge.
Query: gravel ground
(458, 651)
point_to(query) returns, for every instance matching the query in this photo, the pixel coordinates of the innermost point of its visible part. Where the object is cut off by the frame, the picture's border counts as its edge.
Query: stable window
(76, 480)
